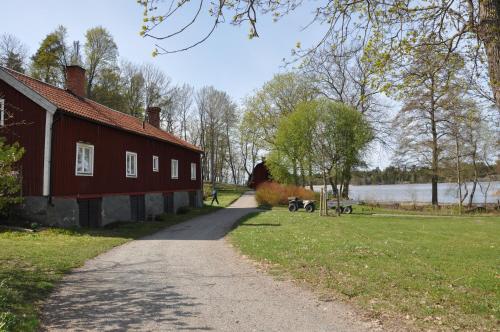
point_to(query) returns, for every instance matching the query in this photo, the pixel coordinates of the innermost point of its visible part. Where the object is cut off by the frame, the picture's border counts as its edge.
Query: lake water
(418, 193)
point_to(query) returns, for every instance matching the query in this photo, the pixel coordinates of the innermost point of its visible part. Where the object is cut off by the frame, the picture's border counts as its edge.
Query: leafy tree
(278, 98)
(108, 89)
(49, 61)
(342, 135)
(100, 52)
(293, 147)
(13, 53)
(323, 136)
(10, 181)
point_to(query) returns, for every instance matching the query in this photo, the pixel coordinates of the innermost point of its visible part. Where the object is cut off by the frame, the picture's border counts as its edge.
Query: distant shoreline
(418, 193)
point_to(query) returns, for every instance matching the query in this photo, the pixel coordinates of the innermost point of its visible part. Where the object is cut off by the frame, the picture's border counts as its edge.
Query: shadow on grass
(242, 221)
(22, 284)
(260, 225)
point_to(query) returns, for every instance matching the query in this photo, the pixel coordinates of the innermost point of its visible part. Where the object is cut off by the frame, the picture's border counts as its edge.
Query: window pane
(86, 160)
(79, 160)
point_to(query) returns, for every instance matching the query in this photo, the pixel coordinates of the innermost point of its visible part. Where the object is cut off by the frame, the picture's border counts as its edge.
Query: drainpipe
(56, 117)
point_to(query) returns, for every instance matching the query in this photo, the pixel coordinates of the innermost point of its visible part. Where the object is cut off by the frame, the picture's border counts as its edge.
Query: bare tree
(217, 121)
(13, 53)
(133, 87)
(425, 86)
(184, 102)
(340, 74)
(156, 84)
(250, 142)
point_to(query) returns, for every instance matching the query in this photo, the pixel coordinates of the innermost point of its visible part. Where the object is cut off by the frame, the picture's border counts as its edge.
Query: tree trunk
(474, 181)
(333, 184)
(435, 152)
(212, 160)
(295, 172)
(231, 161)
(302, 175)
(459, 177)
(345, 191)
(310, 177)
(489, 33)
(339, 211)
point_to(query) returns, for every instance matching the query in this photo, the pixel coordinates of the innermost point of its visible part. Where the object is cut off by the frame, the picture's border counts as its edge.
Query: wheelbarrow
(332, 204)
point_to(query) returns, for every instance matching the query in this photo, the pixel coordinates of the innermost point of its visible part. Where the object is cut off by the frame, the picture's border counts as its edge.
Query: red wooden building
(260, 174)
(88, 165)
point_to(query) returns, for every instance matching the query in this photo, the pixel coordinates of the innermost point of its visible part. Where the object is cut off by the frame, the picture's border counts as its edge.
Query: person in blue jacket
(214, 196)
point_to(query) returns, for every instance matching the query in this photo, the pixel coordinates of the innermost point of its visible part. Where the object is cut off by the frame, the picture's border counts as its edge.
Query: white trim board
(28, 92)
(47, 153)
(49, 114)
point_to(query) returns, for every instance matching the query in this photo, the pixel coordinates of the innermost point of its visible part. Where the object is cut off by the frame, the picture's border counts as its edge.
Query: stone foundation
(64, 212)
(115, 208)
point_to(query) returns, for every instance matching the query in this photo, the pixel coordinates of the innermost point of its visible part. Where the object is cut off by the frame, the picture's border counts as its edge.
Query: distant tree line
(414, 174)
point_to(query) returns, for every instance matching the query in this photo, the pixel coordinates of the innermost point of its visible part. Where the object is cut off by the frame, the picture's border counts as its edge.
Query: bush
(271, 193)
(10, 181)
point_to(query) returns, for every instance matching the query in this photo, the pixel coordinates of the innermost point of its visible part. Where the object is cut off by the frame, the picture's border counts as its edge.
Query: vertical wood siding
(110, 145)
(27, 127)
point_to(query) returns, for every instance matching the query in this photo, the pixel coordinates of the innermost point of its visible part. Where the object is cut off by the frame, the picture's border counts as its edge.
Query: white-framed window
(2, 112)
(193, 171)
(84, 165)
(131, 164)
(175, 168)
(156, 164)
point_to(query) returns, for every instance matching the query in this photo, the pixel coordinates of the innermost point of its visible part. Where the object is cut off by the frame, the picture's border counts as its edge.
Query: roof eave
(27, 91)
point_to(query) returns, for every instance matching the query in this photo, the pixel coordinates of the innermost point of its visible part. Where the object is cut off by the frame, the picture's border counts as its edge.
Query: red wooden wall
(110, 145)
(260, 175)
(28, 129)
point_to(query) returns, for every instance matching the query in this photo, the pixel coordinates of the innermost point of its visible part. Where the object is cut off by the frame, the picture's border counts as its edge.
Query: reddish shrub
(271, 193)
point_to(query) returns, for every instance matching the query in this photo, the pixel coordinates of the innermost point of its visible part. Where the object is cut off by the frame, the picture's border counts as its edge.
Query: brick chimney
(153, 116)
(75, 80)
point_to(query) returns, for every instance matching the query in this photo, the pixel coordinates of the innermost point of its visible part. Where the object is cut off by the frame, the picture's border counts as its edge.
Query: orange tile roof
(92, 110)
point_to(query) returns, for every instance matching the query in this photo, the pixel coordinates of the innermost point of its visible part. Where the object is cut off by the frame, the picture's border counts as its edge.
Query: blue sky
(229, 60)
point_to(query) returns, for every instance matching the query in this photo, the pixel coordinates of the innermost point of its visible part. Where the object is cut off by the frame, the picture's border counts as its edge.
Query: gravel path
(187, 277)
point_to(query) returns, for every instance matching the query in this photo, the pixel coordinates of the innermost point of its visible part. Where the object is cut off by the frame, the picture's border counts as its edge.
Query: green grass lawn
(444, 210)
(441, 272)
(32, 263)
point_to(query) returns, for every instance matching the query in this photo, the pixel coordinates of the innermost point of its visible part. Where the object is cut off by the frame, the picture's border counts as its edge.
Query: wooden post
(321, 202)
(325, 204)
